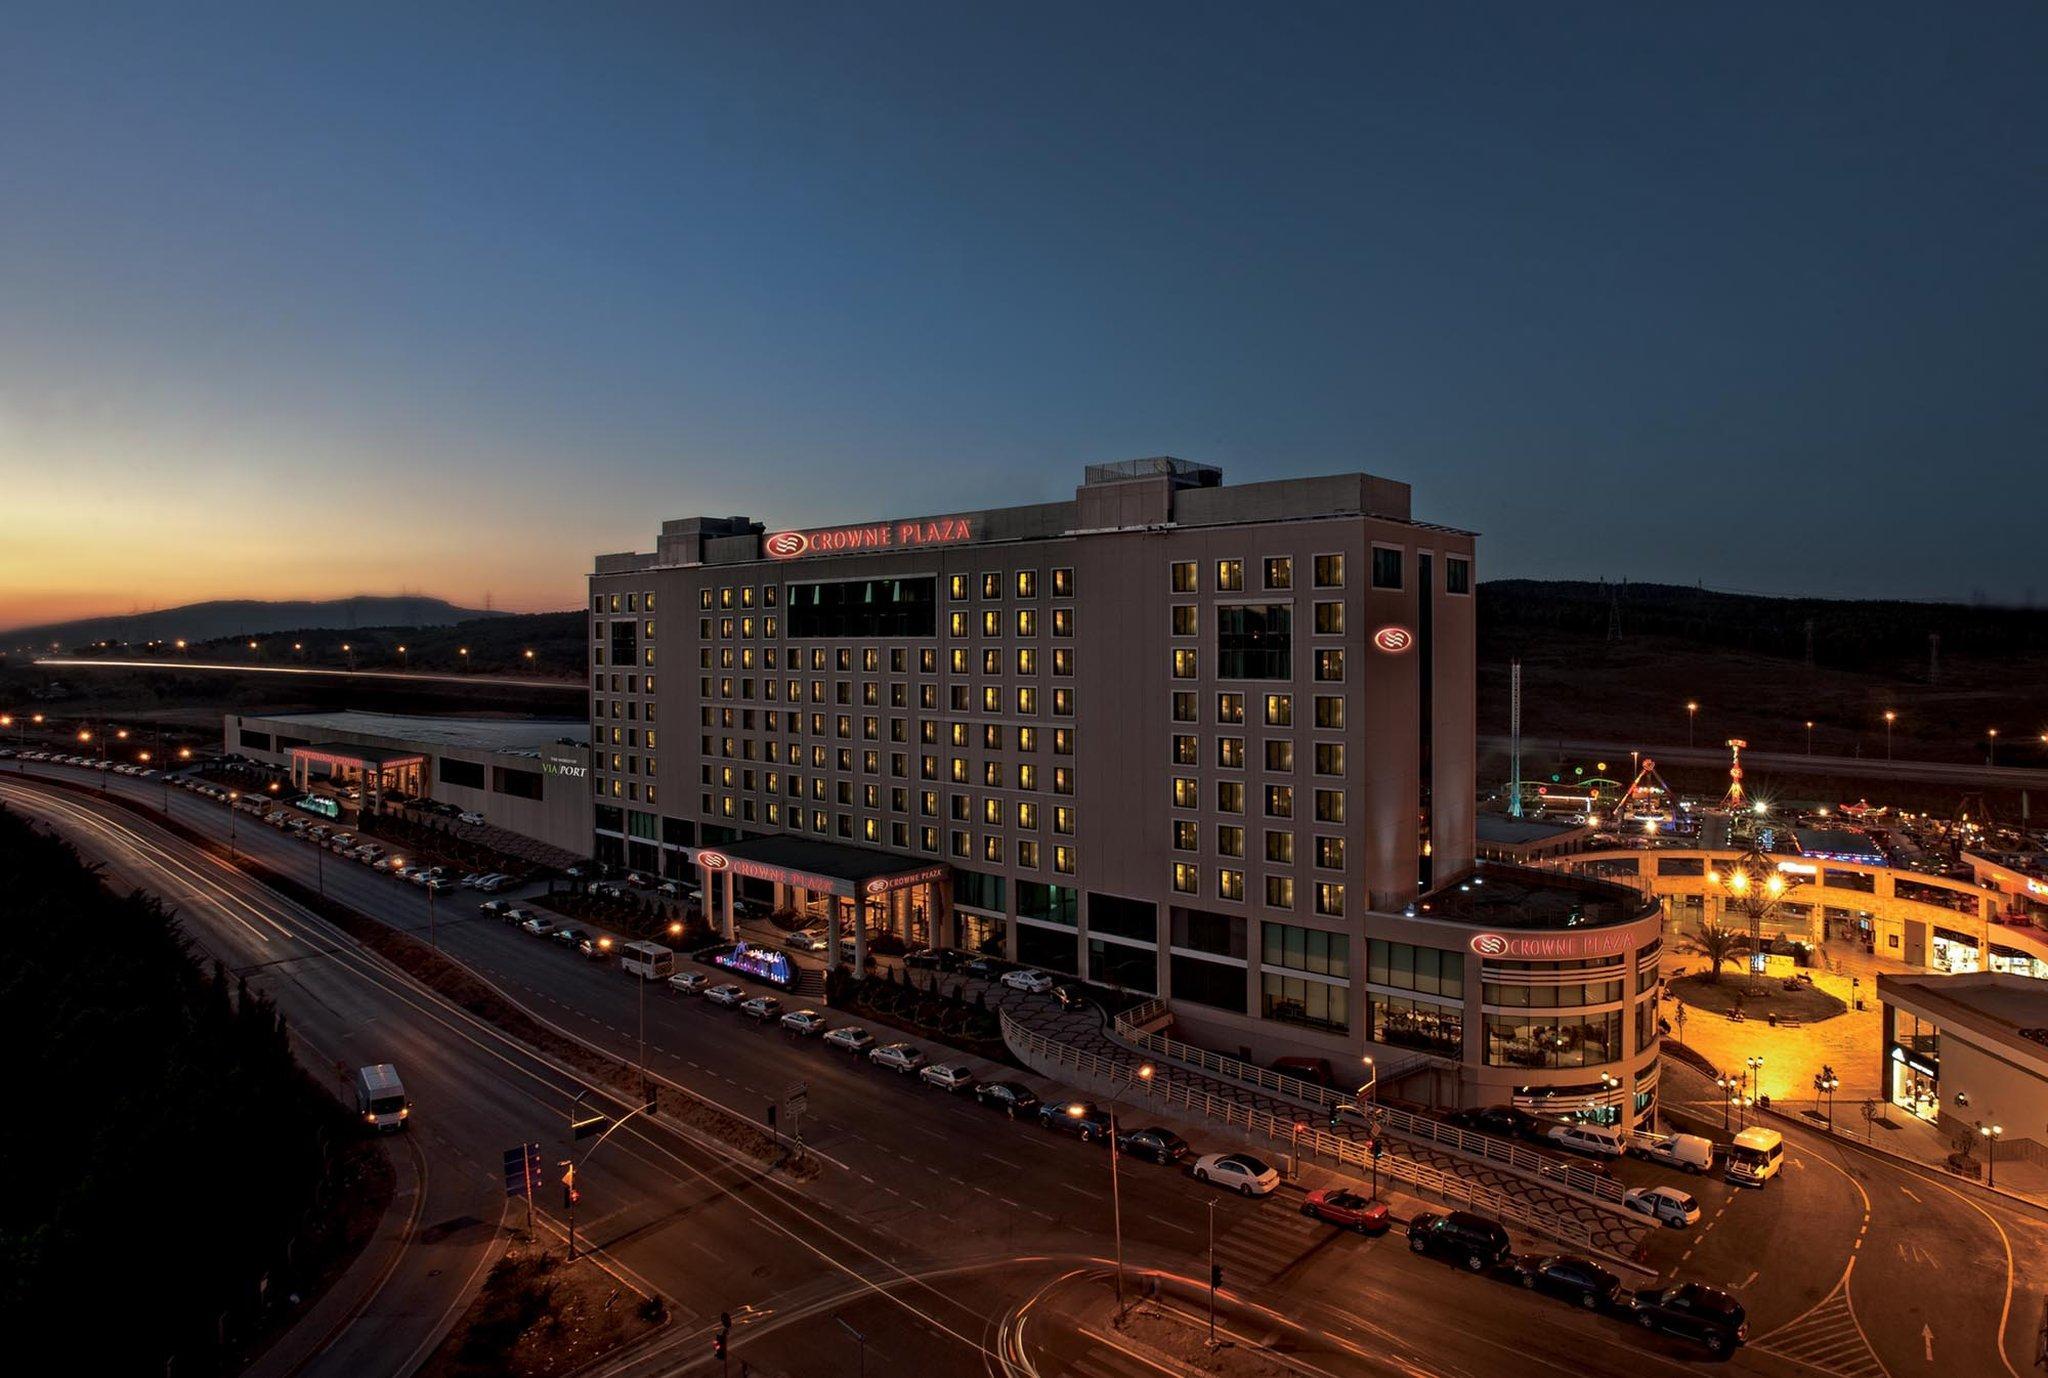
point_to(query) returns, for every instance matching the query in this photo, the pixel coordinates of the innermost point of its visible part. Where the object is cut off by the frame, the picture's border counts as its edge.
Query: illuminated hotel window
(1063, 821)
(1230, 753)
(1063, 583)
(1063, 860)
(991, 584)
(1027, 699)
(1186, 837)
(1280, 573)
(992, 623)
(1186, 751)
(992, 849)
(1027, 622)
(1062, 621)
(1329, 806)
(992, 774)
(927, 661)
(1280, 848)
(1062, 780)
(992, 699)
(958, 659)
(1027, 815)
(1329, 619)
(1184, 663)
(1027, 661)
(1229, 576)
(1187, 877)
(1183, 577)
(956, 588)
(1279, 710)
(1230, 840)
(1184, 706)
(1186, 792)
(959, 734)
(1063, 703)
(1329, 710)
(1027, 583)
(928, 839)
(1329, 758)
(1280, 755)
(1330, 665)
(1027, 855)
(704, 598)
(1186, 620)
(1229, 884)
(992, 736)
(1279, 892)
(992, 812)
(956, 623)
(1229, 796)
(725, 598)
(1330, 899)
(1279, 801)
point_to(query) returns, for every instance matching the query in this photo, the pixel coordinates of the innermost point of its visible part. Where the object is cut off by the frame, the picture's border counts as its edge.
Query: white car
(688, 982)
(473, 819)
(851, 1037)
(1593, 1140)
(493, 882)
(809, 1023)
(1666, 1205)
(900, 1058)
(806, 940)
(1025, 979)
(540, 927)
(1238, 1172)
(762, 1007)
(727, 995)
(950, 1076)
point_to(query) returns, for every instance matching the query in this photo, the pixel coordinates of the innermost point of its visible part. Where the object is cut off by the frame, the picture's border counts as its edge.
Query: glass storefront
(1915, 1056)
(1575, 1040)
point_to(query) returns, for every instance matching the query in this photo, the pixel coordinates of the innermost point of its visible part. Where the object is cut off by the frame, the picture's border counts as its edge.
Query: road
(933, 1221)
(1789, 762)
(554, 682)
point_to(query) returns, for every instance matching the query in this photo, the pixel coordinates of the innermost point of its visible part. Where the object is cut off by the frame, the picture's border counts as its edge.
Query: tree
(1718, 943)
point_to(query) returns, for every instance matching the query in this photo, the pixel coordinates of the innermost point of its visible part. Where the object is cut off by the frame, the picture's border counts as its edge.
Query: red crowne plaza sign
(855, 540)
(1552, 946)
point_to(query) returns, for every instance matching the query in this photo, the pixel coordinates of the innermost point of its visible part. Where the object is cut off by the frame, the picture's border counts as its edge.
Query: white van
(1755, 1157)
(1687, 1151)
(380, 1097)
(648, 961)
(1594, 1140)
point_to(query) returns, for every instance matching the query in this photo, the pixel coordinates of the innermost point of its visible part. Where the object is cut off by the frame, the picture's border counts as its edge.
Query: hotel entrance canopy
(822, 868)
(364, 758)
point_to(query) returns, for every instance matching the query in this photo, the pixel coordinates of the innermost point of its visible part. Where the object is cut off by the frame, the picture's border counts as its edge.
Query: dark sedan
(1013, 1098)
(1576, 1279)
(1347, 1210)
(1693, 1311)
(1501, 1121)
(1160, 1145)
(1085, 1120)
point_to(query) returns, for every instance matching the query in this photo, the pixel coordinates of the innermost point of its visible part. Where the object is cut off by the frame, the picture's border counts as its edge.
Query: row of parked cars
(1690, 1310)
(596, 946)
(58, 758)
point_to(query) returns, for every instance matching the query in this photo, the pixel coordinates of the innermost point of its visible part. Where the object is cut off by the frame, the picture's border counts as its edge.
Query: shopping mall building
(1213, 743)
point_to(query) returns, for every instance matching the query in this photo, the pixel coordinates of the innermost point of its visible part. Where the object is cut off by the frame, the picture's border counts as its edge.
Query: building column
(833, 953)
(860, 932)
(725, 908)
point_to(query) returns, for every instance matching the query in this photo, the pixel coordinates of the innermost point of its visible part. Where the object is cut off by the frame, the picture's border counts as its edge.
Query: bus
(648, 961)
(1755, 1157)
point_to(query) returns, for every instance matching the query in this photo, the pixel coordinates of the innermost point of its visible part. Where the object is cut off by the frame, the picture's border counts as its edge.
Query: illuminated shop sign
(1393, 640)
(856, 540)
(557, 766)
(1552, 946)
(883, 884)
(1926, 1067)
(761, 963)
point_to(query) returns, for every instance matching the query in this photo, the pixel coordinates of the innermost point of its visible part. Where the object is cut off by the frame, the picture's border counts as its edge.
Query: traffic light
(570, 1196)
(1215, 1276)
(1379, 1148)
(718, 1346)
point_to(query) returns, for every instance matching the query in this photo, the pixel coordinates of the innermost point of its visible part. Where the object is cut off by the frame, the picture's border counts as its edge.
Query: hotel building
(1213, 743)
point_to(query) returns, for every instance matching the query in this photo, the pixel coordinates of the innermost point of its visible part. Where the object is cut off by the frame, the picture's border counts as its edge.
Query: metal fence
(1565, 1176)
(1046, 1054)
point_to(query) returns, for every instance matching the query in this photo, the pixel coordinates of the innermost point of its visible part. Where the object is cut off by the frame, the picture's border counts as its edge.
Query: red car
(1347, 1210)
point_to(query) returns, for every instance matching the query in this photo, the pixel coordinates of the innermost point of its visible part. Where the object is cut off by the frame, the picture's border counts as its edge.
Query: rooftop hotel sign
(1571, 945)
(910, 533)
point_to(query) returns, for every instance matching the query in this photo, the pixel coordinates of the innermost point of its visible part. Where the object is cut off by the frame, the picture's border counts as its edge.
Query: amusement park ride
(1648, 802)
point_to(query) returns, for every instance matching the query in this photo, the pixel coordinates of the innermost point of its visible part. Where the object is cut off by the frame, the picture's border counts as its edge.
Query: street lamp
(1692, 713)
(1753, 885)
(464, 653)
(1753, 1084)
(1724, 1087)
(1991, 753)
(1809, 736)
(1890, 716)
(1824, 1083)
(401, 657)
(1076, 1110)
(1991, 1133)
(233, 797)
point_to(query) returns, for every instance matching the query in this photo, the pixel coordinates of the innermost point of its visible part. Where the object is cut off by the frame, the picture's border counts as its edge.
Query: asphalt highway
(934, 1221)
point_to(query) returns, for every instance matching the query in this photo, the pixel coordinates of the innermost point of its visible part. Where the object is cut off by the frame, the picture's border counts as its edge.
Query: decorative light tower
(1753, 885)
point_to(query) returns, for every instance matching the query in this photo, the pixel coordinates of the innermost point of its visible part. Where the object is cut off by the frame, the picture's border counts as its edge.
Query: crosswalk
(1828, 1338)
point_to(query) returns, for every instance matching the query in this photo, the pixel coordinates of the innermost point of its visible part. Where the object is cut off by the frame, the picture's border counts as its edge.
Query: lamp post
(1991, 752)
(1753, 1084)
(1754, 885)
(1076, 1110)
(1724, 1087)
(1990, 1134)
(1890, 716)
(234, 797)
(1824, 1083)
(1372, 1081)
(464, 653)
(1692, 713)
(1809, 736)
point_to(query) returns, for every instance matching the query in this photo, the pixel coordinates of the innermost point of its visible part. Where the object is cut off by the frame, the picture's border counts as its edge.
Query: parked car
(517, 915)
(947, 1076)
(809, 1023)
(987, 968)
(440, 885)
(851, 1038)
(1085, 1120)
(1473, 1240)
(1666, 1205)
(1693, 1311)
(539, 926)
(727, 995)
(1025, 979)
(1013, 1098)
(1347, 1210)
(568, 935)
(806, 940)
(688, 982)
(1160, 1145)
(1239, 1172)
(1502, 1121)
(1578, 1280)
(901, 1058)
(596, 948)
(1593, 1140)
(495, 881)
(475, 819)
(762, 1007)
(493, 907)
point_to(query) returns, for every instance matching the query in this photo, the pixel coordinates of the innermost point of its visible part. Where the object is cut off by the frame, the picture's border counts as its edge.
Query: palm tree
(1718, 943)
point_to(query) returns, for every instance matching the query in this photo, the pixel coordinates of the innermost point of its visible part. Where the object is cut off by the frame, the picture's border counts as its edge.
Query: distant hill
(196, 622)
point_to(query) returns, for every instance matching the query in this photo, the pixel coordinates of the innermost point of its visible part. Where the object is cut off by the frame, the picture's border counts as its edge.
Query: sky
(302, 302)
